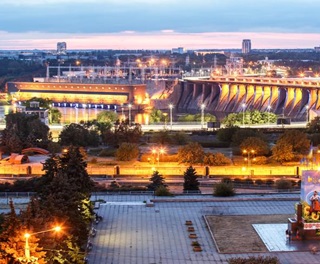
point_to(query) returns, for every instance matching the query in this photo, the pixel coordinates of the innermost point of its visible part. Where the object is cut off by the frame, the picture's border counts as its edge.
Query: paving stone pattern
(130, 232)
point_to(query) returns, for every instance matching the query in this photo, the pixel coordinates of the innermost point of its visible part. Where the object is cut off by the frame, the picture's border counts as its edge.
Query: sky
(159, 24)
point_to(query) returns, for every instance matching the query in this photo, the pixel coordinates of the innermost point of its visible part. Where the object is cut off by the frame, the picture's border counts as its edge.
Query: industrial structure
(288, 97)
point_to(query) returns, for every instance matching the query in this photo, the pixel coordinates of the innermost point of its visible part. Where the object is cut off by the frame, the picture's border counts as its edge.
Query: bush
(162, 191)
(259, 182)
(248, 181)
(224, 189)
(216, 159)
(254, 260)
(127, 152)
(237, 181)
(94, 161)
(269, 182)
(107, 152)
(261, 160)
(283, 184)
(226, 180)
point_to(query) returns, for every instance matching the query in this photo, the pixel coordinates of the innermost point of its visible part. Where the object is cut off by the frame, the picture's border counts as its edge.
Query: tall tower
(246, 46)
(61, 47)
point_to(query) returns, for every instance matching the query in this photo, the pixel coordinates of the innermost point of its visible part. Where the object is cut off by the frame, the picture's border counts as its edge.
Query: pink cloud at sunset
(165, 39)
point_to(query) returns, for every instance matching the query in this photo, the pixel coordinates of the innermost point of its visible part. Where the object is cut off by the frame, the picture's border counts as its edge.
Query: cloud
(157, 40)
(167, 31)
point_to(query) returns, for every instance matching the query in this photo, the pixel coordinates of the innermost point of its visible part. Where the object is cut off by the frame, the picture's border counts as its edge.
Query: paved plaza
(133, 233)
(130, 232)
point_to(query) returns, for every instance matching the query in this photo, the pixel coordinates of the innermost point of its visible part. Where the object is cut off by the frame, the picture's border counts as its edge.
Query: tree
(226, 134)
(314, 125)
(24, 131)
(78, 135)
(297, 139)
(216, 159)
(282, 151)
(240, 135)
(191, 182)
(65, 197)
(107, 117)
(122, 132)
(259, 146)
(162, 137)
(156, 116)
(127, 151)
(157, 180)
(12, 240)
(55, 116)
(192, 153)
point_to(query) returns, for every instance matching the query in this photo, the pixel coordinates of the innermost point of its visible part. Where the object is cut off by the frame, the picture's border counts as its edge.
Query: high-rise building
(61, 47)
(246, 46)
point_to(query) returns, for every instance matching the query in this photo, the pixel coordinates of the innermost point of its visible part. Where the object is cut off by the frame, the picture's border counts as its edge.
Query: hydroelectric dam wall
(290, 97)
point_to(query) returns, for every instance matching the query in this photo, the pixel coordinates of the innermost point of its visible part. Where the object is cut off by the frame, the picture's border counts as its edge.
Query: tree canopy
(78, 135)
(192, 153)
(24, 131)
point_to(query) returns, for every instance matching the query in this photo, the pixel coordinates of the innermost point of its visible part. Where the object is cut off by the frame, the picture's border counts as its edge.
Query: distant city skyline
(159, 24)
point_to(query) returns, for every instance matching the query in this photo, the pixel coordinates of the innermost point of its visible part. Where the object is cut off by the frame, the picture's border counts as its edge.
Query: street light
(28, 258)
(202, 115)
(171, 107)
(129, 107)
(250, 154)
(158, 151)
(243, 107)
(268, 114)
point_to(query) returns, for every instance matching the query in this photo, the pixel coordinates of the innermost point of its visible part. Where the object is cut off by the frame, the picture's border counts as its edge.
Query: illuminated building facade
(107, 96)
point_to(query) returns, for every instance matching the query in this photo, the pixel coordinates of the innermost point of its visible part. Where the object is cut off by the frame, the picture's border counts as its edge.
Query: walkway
(133, 233)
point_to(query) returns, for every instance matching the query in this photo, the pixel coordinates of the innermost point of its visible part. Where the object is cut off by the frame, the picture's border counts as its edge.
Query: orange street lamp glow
(158, 151)
(27, 235)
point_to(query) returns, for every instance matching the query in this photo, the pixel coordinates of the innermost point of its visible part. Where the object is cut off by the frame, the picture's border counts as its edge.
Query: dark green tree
(65, 198)
(162, 137)
(314, 125)
(24, 131)
(226, 134)
(157, 180)
(240, 135)
(191, 182)
(121, 133)
(78, 135)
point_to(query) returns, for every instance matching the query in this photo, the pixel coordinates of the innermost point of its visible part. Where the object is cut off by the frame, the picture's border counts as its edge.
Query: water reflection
(76, 115)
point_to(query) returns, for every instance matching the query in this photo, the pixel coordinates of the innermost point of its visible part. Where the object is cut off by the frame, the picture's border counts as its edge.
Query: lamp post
(122, 114)
(170, 107)
(243, 107)
(158, 151)
(307, 112)
(129, 108)
(249, 154)
(202, 115)
(268, 114)
(28, 258)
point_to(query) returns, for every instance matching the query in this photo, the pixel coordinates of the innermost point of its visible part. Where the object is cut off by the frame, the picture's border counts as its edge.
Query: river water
(76, 115)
